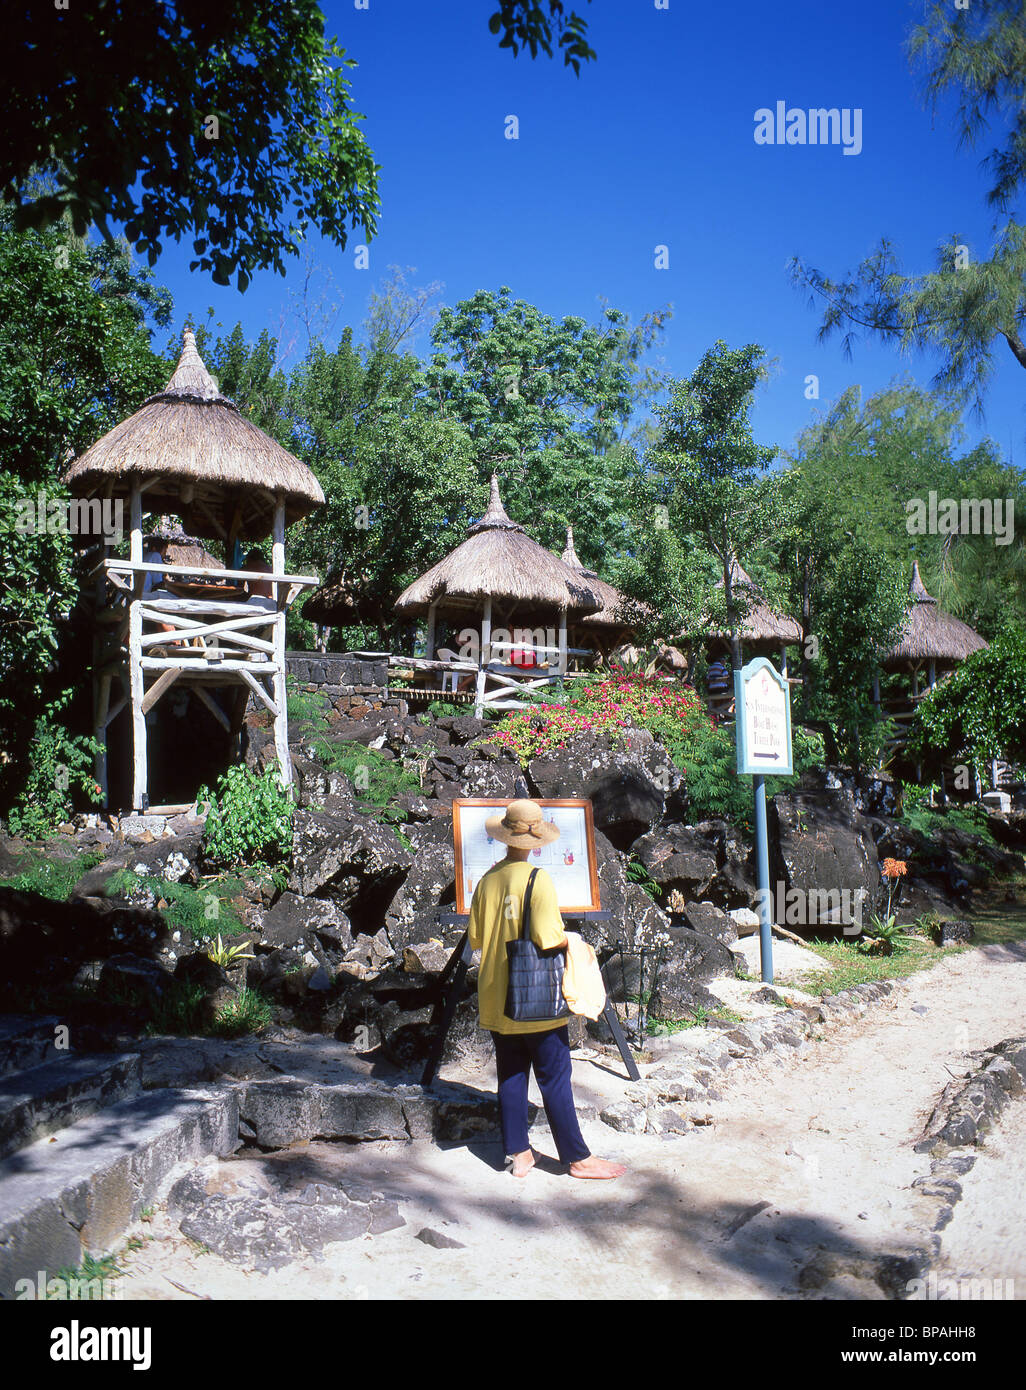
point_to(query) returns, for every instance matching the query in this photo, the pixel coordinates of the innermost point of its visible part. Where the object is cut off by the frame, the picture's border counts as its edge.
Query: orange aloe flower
(894, 868)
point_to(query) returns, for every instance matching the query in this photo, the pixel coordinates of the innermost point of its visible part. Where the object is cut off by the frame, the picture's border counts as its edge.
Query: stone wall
(354, 685)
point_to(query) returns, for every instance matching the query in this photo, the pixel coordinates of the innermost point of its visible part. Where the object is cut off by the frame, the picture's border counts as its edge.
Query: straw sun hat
(523, 826)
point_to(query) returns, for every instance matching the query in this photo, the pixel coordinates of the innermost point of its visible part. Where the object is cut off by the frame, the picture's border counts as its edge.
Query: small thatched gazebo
(761, 632)
(929, 637)
(606, 629)
(190, 452)
(338, 603)
(499, 575)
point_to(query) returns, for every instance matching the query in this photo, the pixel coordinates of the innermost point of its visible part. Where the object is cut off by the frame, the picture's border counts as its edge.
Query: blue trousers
(549, 1054)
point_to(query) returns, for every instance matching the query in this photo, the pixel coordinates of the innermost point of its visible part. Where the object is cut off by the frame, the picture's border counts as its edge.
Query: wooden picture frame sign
(571, 860)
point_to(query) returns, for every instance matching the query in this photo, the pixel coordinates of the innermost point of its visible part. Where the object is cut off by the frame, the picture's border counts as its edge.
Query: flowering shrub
(670, 712)
(704, 752)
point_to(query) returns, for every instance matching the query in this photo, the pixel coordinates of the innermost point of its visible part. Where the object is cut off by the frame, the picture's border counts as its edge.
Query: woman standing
(495, 915)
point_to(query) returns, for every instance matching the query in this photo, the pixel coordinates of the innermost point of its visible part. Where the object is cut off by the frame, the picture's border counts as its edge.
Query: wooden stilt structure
(165, 626)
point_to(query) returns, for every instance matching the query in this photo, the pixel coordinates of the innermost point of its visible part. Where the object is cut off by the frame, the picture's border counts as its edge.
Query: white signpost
(762, 705)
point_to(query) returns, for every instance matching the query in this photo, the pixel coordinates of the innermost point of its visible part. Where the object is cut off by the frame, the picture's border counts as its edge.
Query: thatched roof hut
(610, 615)
(340, 604)
(930, 634)
(201, 457)
(760, 624)
(499, 561)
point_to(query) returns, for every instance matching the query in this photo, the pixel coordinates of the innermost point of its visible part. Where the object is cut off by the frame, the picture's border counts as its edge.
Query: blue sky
(652, 145)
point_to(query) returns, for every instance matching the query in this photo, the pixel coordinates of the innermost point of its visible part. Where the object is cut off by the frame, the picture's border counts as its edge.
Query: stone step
(78, 1193)
(27, 1040)
(44, 1099)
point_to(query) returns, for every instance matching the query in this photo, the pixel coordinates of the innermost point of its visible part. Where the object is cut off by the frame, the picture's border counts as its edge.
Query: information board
(570, 860)
(762, 704)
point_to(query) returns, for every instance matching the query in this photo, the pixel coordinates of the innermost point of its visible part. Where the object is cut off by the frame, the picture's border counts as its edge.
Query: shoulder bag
(535, 989)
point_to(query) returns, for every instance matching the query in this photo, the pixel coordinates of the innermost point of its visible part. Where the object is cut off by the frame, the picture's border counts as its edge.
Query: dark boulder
(321, 788)
(822, 844)
(679, 857)
(294, 920)
(359, 863)
(673, 975)
(43, 941)
(628, 787)
(692, 960)
(175, 859)
(127, 978)
(429, 883)
(710, 921)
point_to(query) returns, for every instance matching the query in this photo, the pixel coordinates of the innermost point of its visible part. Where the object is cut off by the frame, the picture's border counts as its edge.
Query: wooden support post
(135, 551)
(281, 718)
(484, 655)
(101, 685)
(432, 611)
(278, 544)
(932, 672)
(140, 796)
(562, 642)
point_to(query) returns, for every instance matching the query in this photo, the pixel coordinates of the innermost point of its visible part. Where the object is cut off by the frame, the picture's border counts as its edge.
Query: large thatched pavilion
(931, 641)
(507, 600)
(188, 451)
(760, 632)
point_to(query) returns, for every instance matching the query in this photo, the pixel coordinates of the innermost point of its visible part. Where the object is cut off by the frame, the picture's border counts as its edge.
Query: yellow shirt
(494, 920)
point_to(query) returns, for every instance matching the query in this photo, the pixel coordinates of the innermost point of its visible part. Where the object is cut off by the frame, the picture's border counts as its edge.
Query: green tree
(854, 472)
(230, 122)
(546, 404)
(978, 713)
(715, 473)
(410, 497)
(966, 308)
(75, 358)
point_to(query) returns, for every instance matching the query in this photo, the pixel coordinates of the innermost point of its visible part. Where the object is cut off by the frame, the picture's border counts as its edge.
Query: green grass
(997, 922)
(99, 1268)
(664, 1027)
(51, 877)
(846, 966)
(248, 1012)
(927, 820)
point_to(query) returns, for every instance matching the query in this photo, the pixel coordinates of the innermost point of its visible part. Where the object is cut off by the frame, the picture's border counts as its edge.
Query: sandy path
(821, 1139)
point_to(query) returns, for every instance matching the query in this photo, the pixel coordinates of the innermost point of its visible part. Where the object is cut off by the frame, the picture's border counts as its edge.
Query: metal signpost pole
(765, 900)
(762, 714)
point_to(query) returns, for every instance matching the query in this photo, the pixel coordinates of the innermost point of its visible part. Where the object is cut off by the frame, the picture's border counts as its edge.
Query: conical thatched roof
(499, 559)
(930, 634)
(610, 614)
(761, 623)
(205, 459)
